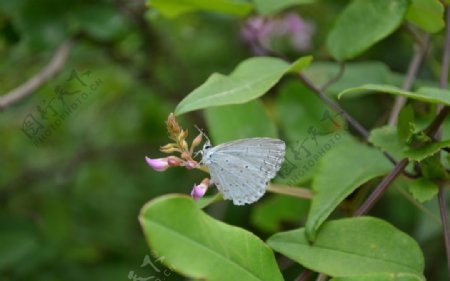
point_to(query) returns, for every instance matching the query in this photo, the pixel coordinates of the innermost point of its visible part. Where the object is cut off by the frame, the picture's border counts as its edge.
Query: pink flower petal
(191, 164)
(159, 164)
(198, 191)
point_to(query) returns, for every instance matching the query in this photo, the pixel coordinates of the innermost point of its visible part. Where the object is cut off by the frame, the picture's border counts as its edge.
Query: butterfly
(242, 169)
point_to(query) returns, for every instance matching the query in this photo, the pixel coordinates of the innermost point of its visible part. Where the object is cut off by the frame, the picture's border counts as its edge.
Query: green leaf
(340, 172)
(352, 246)
(201, 247)
(425, 94)
(362, 24)
(433, 169)
(381, 277)
(269, 214)
(422, 189)
(174, 8)
(300, 64)
(251, 79)
(405, 118)
(420, 153)
(428, 14)
(268, 7)
(225, 123)
(386, 138)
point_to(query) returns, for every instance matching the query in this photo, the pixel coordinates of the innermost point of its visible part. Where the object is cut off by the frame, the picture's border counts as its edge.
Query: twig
(413, 69)
(298, 192)
(306, 273)
(379, 190)
(26, 89)
(444, 218)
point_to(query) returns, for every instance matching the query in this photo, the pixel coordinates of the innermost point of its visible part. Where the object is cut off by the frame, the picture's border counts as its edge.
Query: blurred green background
(69, 203)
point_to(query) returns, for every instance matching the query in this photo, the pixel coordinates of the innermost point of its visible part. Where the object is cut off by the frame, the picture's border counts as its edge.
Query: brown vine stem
(50, 70)
(304, 275)
(381, 188)
(444, 218)
(335, 106)
(443, 82)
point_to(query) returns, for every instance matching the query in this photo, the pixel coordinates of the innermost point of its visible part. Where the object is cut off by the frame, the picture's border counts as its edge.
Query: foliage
(74, 178)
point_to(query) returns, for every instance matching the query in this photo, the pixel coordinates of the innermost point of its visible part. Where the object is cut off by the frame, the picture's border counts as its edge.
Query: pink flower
(159, 164)
(264, 33)
(191, 164)
(198, 191)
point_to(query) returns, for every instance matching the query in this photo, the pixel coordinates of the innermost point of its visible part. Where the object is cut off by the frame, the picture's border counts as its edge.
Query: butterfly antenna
(203, 133)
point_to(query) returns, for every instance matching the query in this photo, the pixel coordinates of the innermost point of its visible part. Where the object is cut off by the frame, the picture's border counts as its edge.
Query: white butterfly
(242, 169)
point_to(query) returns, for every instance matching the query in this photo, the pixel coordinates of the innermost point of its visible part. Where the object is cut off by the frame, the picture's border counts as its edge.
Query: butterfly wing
(242, 169)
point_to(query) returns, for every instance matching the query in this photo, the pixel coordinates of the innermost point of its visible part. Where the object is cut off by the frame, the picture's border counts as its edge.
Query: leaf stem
(298, 192)
(334, 79)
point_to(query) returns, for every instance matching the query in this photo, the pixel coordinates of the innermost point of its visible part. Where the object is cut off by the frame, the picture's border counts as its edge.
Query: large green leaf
(267, 7)
(251, 79)
(426, 94)
(173, 8)
(362, 24)
(352, 246)
(381, 277)
(225, 123)
(339, 173)
(201, 247)
(428, 14)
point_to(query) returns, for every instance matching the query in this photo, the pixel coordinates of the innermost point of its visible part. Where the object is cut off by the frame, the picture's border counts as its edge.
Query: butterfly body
(242, 169)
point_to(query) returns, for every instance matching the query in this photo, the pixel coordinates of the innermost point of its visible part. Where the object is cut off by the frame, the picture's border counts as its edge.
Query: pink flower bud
(198, 191)
(160, 164)
(190, 164)
(174, 161)
(197, 140)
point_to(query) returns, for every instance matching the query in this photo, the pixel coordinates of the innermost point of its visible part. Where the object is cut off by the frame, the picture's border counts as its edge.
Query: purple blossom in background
(261, 32)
